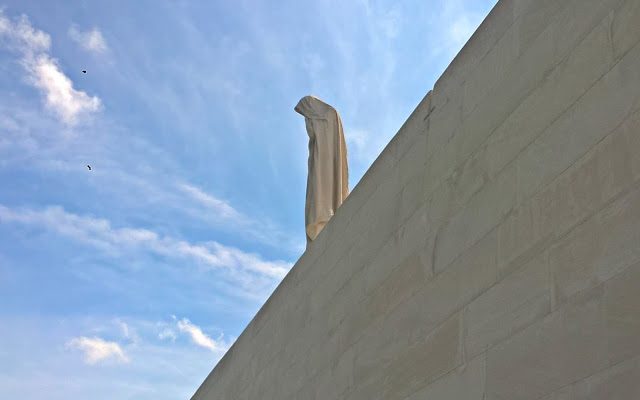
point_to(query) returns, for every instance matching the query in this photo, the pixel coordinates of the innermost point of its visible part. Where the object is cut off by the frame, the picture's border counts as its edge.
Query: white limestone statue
(328, 179)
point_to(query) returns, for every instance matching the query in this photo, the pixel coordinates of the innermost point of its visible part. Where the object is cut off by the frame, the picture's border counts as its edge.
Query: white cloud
(60, 96)
(167, 334)
(99, 233)
(21, 36)
(217, 206)
(217, 209)
(97, 350)
(43, 71)
(159, 371)
(91, 40)
(199, 337)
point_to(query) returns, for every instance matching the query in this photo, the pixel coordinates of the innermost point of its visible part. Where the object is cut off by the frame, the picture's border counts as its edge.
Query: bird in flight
(89, 166)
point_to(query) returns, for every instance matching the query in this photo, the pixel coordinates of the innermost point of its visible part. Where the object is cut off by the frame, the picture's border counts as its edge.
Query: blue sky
(130, 280)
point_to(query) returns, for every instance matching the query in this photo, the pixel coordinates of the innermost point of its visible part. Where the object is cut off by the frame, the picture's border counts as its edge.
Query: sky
(129, 280)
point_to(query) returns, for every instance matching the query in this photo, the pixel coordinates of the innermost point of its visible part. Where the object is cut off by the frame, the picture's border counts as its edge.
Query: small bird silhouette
(84, 71)
(89, 166)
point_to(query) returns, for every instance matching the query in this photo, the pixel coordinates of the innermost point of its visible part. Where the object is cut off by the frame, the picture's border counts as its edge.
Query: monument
(328, 178)
(491, 251)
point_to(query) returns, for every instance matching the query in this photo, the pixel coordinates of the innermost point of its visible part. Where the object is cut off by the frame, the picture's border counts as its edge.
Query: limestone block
(533, 16)
(523, 77)
(411, 197)
(355, 325)
(400, 283)
(561, 88)
(562, 394)
(456, 190)
(411, 240)
(464, 383)
(307, 392)
(415, 233)
(625, 29)
(525, 52)
(620, 382)
(424, 361)
(566, 346)
(518, 240)
(324, 387)
(443, 295)
(379, 216)
(587, 122)
(413, 160)
(598, 249)
(342, 372)
(345, 301)
(367, 390)
(604, 172)
(325, 293)
(414, 128)
(294, 376)
(443, 120)
(622, 307)
(318, 359)
(581, 18)
(387, 259)
(376, 347)
(489, 71)
(508, 307)
(586, 187)
(483, 212)
(441, 205)
(536, 58)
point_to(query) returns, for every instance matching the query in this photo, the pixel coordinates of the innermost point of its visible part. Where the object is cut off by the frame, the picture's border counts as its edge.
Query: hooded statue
(328, 179)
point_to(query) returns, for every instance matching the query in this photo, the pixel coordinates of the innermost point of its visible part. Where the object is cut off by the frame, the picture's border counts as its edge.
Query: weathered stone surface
(566, 346)
(464, 383)
(423, 361)
(485, 211)
(582, 127)
(603, 173)
(511, 305)
(598, 249)
(622, 307)
(620, 382)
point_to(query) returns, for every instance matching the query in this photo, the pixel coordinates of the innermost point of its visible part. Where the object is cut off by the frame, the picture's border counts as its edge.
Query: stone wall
(492, 251)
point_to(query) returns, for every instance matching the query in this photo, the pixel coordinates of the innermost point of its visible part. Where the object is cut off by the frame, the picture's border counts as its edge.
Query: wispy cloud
(218, 207)
(167, 334)
(90, 40)
(100, 233)
(221, 211)
(60, 96)
(200, 338)
(43, 71)
(98, 350)
(154, 370)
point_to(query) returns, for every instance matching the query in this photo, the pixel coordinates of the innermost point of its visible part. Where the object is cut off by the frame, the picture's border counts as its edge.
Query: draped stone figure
(328, 179)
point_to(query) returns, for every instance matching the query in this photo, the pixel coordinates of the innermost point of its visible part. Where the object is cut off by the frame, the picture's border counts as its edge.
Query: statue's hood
(313, 107)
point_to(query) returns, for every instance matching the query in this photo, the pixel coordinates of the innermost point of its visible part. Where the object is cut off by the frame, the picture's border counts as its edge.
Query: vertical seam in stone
(463, 335)
(612, 45)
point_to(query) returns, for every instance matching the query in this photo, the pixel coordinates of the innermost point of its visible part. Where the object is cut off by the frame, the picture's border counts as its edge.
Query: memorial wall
(492, 251)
